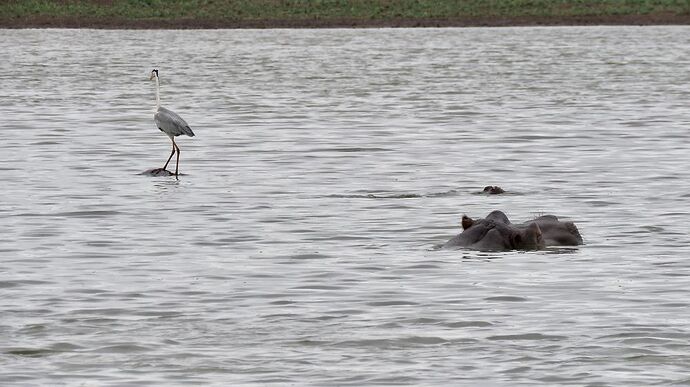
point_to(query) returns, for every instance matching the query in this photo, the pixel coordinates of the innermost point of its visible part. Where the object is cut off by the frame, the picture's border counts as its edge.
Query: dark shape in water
(493, 190)
(157, 172)
(497, 233)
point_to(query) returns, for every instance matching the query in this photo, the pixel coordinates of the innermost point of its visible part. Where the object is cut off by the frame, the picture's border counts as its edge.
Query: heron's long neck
(158, 94)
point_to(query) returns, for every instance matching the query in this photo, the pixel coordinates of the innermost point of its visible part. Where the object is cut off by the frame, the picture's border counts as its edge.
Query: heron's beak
(151, 77)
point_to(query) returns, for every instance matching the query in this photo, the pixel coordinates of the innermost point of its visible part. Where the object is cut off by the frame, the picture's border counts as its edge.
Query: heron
(169, 123)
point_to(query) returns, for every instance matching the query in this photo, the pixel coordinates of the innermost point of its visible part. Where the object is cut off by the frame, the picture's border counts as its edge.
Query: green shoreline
(336, 13)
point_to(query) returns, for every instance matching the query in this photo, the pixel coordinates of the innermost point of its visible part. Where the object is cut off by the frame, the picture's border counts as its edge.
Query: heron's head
(154, 74)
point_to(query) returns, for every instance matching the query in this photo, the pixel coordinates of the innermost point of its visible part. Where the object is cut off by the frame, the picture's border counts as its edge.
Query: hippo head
(496, 233)
(493, 190)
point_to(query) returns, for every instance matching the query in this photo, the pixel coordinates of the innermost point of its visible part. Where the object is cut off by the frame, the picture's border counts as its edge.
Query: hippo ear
(467, 222)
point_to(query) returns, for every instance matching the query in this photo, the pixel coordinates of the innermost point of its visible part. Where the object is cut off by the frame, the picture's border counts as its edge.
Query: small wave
(86, 214)
(395, 342)
(516, 370)
(309, 256)
(554, 250)
(349, 150)
(393, 380)
(527, 336)
(65, 347)
(404, 195)
(392, 303)
(649, 340)
(422, 266)
(71, 214)
(29, 352)
(51, 143)
(452, 192)
(17, 283)
(338, 238)
(317, 287)
(506, 298)
(465, 324)
(373, 196)
(122, 348)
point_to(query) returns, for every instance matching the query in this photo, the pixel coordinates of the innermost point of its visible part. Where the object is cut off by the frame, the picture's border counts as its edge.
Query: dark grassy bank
(335, 13)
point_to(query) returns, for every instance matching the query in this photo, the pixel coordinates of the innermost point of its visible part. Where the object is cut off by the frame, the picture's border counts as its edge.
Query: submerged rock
(157, 172)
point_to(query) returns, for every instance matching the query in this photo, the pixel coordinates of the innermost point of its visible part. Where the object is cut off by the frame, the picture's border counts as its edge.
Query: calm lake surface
(300, 245)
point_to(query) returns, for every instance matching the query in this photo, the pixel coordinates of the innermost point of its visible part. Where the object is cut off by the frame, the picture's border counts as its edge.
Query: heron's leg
(177, 164)
(171, 155)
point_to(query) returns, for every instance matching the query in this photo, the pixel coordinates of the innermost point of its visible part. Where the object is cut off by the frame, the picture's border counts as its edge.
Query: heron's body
(169, 123)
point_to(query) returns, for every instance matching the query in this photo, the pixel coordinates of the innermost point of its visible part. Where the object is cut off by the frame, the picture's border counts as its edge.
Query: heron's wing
(169, 122)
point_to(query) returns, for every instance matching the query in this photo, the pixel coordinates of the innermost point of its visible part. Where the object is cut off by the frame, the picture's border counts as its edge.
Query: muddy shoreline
(114, 23)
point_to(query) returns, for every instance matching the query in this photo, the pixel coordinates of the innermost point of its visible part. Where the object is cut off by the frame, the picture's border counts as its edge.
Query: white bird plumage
(169, 123)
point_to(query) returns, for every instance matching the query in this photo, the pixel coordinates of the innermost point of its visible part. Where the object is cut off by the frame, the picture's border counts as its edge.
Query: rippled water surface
(300, 245)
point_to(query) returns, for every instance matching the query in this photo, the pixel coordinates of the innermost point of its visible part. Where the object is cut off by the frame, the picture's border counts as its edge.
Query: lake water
(300, 245)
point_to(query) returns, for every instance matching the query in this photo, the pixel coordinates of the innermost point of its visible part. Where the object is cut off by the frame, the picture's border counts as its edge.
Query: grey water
(299, 246)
